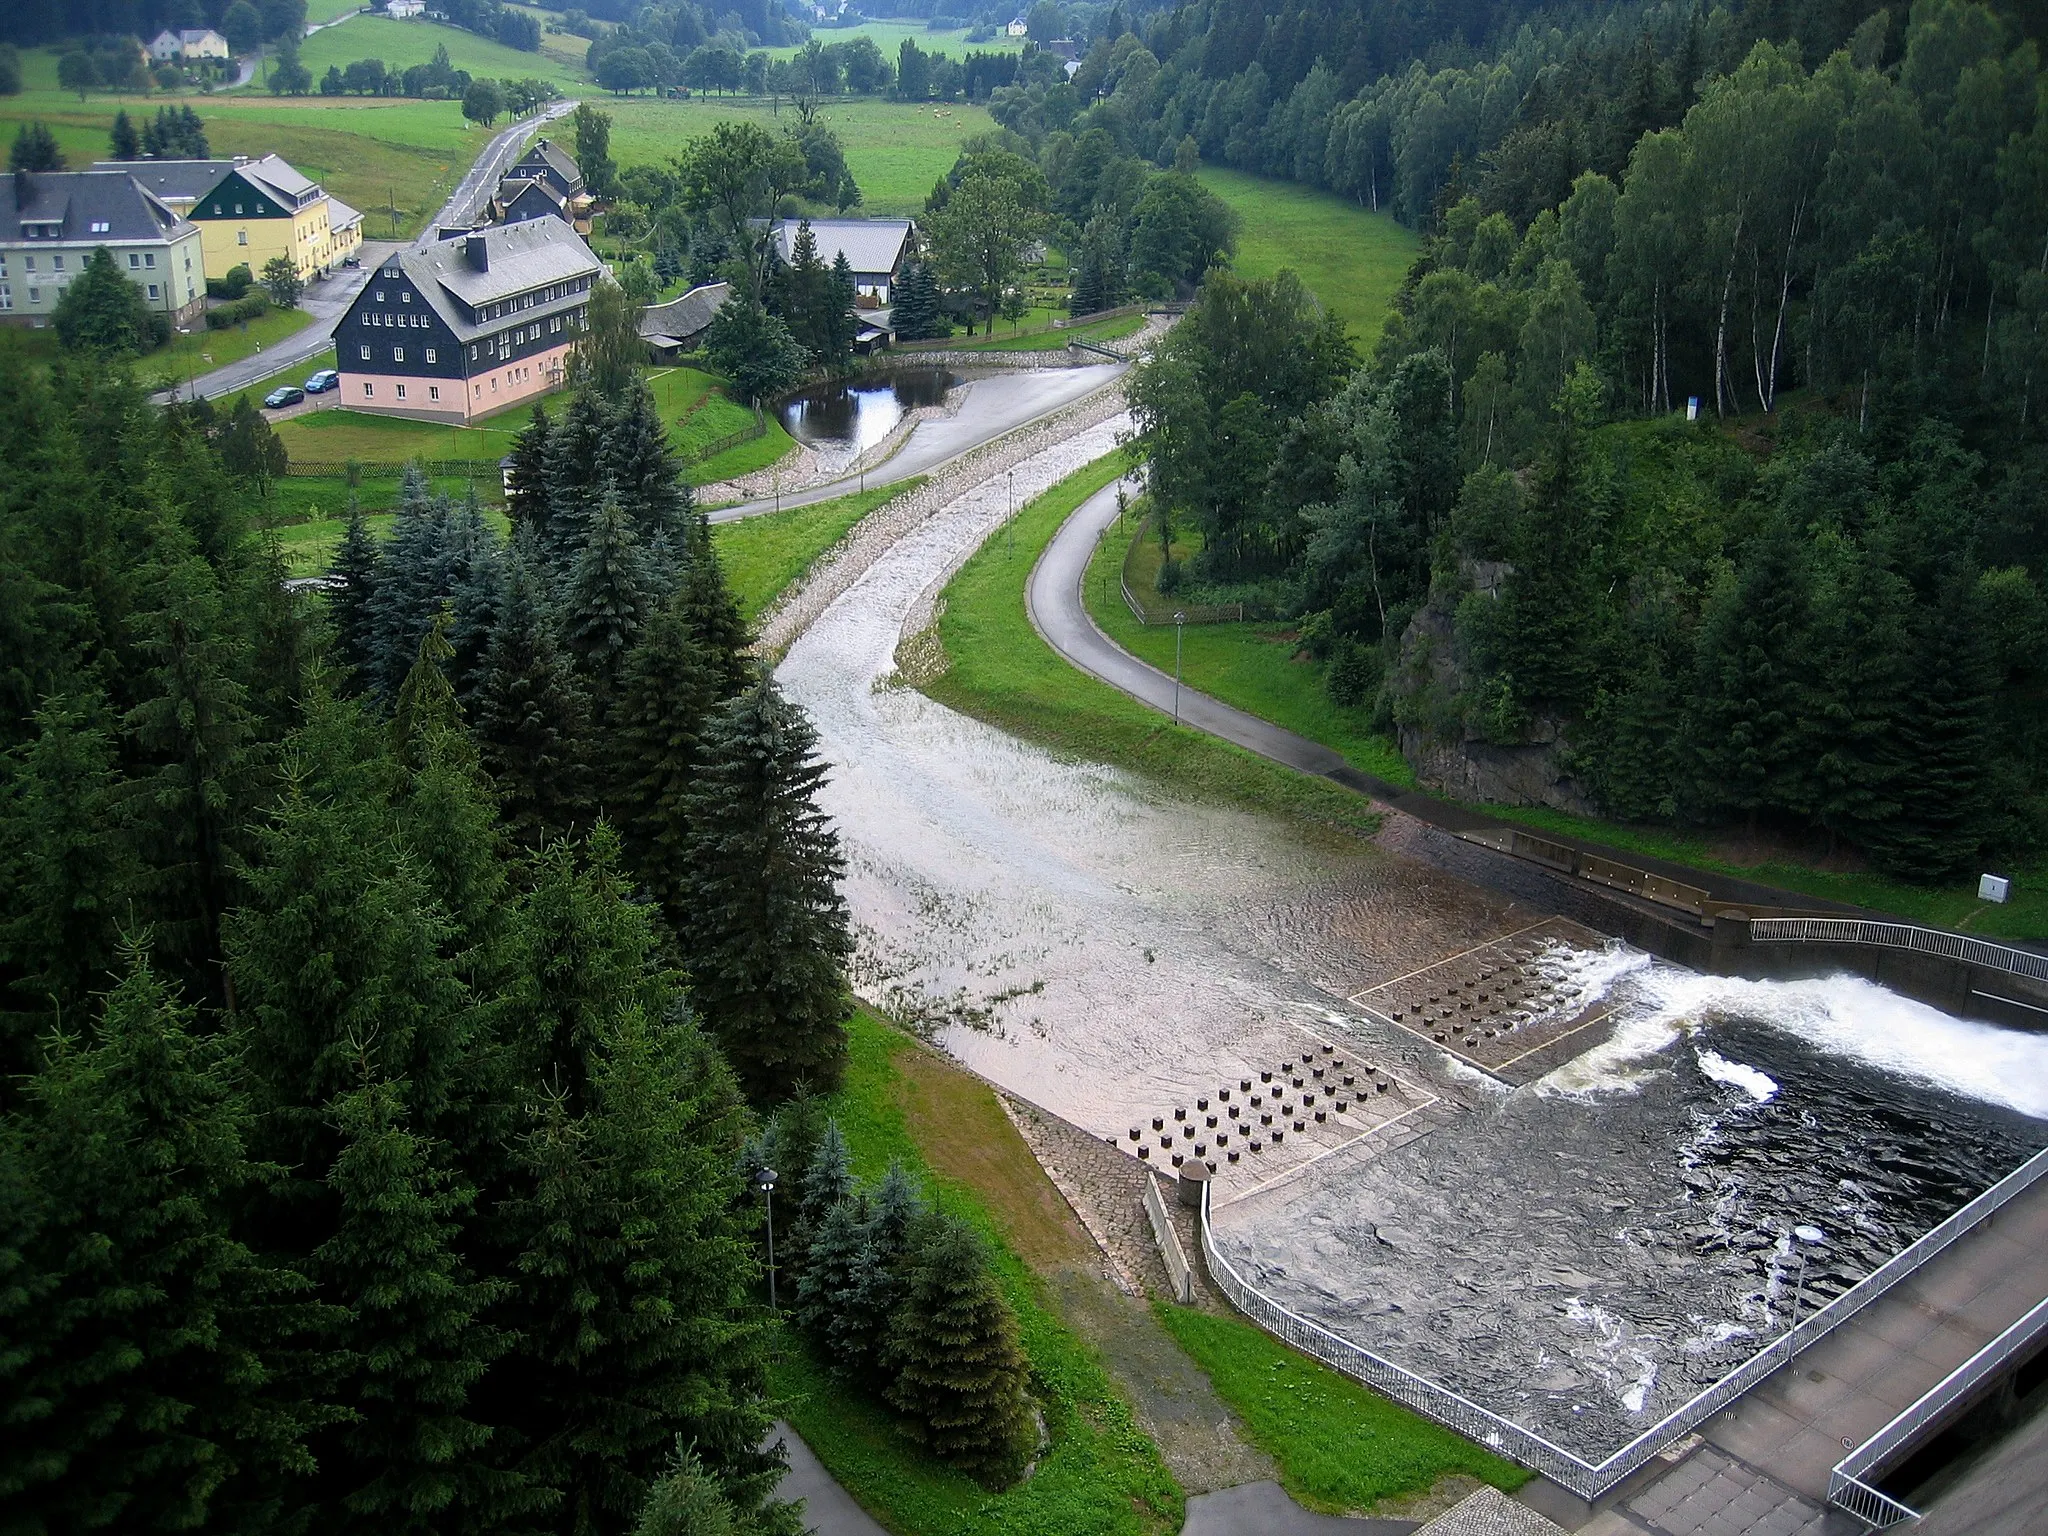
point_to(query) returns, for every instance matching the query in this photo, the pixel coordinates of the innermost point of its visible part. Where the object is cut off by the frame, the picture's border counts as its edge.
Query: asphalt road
(1053, 599)
(993, 405)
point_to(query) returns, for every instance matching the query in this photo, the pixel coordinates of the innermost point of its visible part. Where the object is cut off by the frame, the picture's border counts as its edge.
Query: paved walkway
(828, 1509)
(1054, 600)
(1264, 1509)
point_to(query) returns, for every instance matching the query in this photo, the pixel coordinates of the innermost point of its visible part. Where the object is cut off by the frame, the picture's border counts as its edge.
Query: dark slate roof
(680, 319)
(522, 257)
(512, 188)
(182, 181)
(871, 245)
(548, 151)
(292, 189)
(77, 200)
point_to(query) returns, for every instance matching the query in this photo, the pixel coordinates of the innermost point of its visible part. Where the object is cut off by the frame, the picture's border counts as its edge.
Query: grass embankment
(888, 37)
(763, 556)
(1049, 340)
(203, 350)
(1352, 260)
(1101, 1476)
(1339, 1445)
(1003, 672)
(1257, 668)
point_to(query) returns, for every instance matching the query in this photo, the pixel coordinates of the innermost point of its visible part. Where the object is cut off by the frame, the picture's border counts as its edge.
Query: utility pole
(1180, 619)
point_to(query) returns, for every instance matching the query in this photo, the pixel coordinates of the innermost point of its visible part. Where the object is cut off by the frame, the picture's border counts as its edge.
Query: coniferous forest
(393, 981)
(1700, 472)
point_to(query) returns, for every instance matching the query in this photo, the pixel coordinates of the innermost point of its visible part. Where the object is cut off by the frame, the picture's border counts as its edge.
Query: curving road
(993, 405)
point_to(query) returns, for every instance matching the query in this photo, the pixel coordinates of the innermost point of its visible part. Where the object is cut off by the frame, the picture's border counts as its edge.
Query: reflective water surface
(1580, 1253)
(855, 416)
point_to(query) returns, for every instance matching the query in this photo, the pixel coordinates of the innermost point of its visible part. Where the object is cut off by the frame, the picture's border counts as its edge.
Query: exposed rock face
(1436, 710)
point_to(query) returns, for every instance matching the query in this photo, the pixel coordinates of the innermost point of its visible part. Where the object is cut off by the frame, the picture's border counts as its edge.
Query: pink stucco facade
(455, 400)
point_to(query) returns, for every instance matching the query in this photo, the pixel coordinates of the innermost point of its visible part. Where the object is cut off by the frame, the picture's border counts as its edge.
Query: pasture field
(1352, 260)
(895, 150)
(401, 44)
(889, 35)
(321, 12)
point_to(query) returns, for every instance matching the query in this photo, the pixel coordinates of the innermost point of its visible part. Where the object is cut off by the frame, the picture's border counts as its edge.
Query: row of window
(370, 391)
(504, 343)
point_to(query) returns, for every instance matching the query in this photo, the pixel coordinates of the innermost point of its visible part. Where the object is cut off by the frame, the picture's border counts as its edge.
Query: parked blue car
(322, 381)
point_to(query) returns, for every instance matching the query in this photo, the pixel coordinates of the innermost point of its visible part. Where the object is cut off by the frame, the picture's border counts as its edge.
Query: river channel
(840, 421)
(1580, 1253)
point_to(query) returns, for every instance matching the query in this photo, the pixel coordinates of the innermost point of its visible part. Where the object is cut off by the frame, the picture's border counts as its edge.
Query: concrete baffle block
(1193, 1178)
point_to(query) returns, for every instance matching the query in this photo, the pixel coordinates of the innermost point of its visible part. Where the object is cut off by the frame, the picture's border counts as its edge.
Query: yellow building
(263, 208)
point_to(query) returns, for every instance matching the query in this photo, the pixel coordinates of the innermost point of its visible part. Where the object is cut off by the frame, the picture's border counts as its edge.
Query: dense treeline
(378, 981)
(1830, 619)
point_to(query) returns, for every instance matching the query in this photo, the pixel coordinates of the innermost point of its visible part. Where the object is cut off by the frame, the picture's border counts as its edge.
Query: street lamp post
(1010, 523)
(1803, 1238)
(1180, 619)
(764, 1180)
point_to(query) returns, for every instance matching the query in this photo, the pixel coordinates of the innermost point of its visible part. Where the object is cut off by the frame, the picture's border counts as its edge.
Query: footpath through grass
(1352, 260)
(1340, 1446)
(1002, 671)
(1101, 1475)
(764, 556)
(1254, 667)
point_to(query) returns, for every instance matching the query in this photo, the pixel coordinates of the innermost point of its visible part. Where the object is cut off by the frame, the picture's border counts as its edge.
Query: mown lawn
(203, 349)
(1253, 667)
(888, 36)
(764, 555)
(1352, 260)
(1003, 672)
(1101, 1475)
(1339, 1445)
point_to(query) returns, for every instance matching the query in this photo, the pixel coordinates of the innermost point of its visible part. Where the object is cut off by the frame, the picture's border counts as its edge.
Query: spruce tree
(1946, 739)
(574, 465)
(349, 609)
(67, 874)
(763, 923)
(915, 311)
(840, 324)
(958, 1372)
(1750, 687)
(526, 476)
(1858, 698)
(532, 714)
(425, 707)
(634, 1309)
(411, 582)
(606, 599)
(418, 1339)
(667, 688)
(151, 1354)
(641, 469)
(713, 613)
(476, 580)
(859, 1328)
(123, 143)
(830, 1269)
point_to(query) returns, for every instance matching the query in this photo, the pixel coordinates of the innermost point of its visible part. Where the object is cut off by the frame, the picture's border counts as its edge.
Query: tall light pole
(1180, 619)
(1803, 1238)
(1010, 523)
(764, 1180)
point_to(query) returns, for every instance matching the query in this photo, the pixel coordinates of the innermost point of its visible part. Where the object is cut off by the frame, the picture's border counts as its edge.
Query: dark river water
(1580, 1254)
(853, 417)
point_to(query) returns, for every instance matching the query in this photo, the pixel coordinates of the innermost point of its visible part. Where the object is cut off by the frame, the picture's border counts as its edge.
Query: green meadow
(1352, 260)
(403, 43)
(888, 36)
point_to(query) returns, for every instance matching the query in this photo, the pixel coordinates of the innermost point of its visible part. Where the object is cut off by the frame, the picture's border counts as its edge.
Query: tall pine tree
(605, 602)
(667, 688)
(764, 927)
(354, 579)
(532, 714)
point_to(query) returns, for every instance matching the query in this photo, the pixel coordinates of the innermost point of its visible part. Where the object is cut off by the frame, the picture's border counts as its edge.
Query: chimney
(478, 253)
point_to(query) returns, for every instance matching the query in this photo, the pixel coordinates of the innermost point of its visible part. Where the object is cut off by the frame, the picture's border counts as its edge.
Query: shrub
(252, 306)
(233, 286)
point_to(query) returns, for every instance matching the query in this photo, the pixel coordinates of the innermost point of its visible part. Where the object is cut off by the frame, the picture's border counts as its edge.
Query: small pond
(852, 417)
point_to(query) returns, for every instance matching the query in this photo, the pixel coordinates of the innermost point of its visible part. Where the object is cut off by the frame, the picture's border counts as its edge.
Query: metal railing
(1928, 941)
(1590, 1479)
(1846, 1488)
(1170, 1250)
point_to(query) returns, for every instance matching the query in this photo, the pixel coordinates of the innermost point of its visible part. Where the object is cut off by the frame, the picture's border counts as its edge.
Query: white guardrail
(1846, 1488)
(1928, 941)
(1590, 1479)
(1170, 1250)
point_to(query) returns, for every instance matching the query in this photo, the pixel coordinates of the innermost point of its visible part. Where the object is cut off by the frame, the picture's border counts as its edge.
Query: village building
(875, 248)
(51, 222)
(467, 326)
(678, 326)
(264, 208)
(187, 43)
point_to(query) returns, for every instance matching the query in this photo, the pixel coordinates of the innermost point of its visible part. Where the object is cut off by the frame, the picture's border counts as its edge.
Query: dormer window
(406, 296)
(101, 226)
